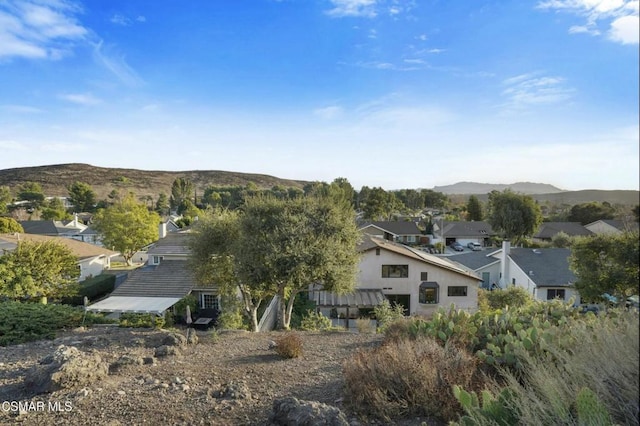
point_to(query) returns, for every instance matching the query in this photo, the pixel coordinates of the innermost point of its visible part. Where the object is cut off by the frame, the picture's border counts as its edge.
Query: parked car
(456, 246)
(474, 246)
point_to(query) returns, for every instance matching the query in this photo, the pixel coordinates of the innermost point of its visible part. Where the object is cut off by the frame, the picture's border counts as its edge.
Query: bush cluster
(315, 321)
(26, 322)
(289, 345)
(141, 320)
(92, 288)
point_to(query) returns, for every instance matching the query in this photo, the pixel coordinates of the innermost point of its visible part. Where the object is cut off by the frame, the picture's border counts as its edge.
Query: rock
(234, 390)
(272, 345)
(149, 360)
(165, 350)
(290, 411)
(192, 338)
(66, 367)
(175, 339)
(125, 360)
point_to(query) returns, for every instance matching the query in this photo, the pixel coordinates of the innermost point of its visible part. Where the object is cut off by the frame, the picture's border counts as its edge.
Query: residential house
(481, 263)
(158, 285)
(543, 272)
(547, 230)
(404, 232)
(420, 282)
(463, 232)
(611, 227)
(92, 259)
(74, 229)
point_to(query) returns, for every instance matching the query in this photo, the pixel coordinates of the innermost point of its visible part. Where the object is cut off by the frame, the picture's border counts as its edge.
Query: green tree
(215, 246)
(162, 205)
(32, 192)
(39, 269)
(561, 240)
(381, 205)
(5, 198)
(587, 213)
(434, 199)
(9, 225)
(53, 209)
(606, 264)
(474, 209)
(290, 244)
(82, 197)
(181, 189)
(514, 216)
(127, 226)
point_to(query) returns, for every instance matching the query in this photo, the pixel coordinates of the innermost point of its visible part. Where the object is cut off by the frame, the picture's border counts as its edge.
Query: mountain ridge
(475, 188)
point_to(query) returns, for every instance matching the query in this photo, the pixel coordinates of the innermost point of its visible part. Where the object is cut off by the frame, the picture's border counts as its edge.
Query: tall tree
(38, 269)
(381, 205)
(587, 213)
(5, 198)
(606, 264)
(290, 244)
(54, 210)
(9, 225)
(82, 197)
(127, 226)
(162, 205)
(181, 189)
(474, 209)
(32, 192)
(513, 215)
(214, 248)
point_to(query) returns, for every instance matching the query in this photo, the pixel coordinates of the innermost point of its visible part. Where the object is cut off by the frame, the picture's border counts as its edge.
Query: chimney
(504, 263)
(162, 230)
(75, 220)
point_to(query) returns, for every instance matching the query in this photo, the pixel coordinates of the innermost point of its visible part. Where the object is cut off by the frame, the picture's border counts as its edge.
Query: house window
(424, 276)
(428, 293)
(209, 301)
(553, 293)
(395, 271)
(377, 252)
(157, 259)
(457, 290)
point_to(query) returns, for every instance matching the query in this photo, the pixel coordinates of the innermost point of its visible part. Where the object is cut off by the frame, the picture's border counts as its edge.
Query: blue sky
(390, 93)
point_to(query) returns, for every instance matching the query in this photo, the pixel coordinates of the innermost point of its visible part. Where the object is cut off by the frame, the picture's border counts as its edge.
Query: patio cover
(363, 298)
(145, 305)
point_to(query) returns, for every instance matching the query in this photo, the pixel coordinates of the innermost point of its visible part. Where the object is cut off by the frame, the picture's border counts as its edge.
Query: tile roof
(171, 278)
(547, 267)
(78, 248)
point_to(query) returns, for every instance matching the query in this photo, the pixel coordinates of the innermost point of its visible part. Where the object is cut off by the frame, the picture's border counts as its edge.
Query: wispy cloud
(86, 99)
(329, 113)
(21, 109)
(125, 21)
(535, 89)
(12, 146)
(353, 8)
(39, 29)
(621, 17)
(116, 63)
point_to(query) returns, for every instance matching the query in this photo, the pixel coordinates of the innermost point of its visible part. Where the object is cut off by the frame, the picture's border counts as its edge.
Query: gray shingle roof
(395, 227)
(474, 260)
(171, 278)
(39, 227)
(175, 243)
(547, 267)
(479, 229)
(548, 229)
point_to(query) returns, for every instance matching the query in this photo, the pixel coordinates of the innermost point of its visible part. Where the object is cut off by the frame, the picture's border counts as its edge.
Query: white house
(420, 282)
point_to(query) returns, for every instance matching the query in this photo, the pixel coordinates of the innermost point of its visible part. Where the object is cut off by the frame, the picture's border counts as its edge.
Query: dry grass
(289, 346)
(365, 325)
(409, 378)
(603, 356)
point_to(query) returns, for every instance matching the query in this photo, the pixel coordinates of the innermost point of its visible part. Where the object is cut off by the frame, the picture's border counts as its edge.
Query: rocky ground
(232, 378)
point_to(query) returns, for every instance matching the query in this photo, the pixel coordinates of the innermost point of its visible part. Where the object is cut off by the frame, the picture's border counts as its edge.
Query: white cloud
(328, 113)
(39, 29)
(353, 8)
(116, 64)
(21, 109)
(12, 146)
(120, 20)
(534, 89)
(86, 99)
(620, 15)
(625, 30)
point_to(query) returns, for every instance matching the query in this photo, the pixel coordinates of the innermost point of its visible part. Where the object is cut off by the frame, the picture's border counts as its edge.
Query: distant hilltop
(473, 188)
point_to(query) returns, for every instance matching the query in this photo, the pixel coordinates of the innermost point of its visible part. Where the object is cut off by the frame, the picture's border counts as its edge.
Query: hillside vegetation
(54, 179)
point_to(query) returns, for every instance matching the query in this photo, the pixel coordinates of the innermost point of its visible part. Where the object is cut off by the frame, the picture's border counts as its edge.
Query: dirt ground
(229, 379)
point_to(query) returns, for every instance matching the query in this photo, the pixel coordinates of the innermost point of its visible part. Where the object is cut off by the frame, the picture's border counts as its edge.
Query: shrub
(92, 288)
(289, 345)
(25, 322)
(386, 314)
(409, 377)
(364, 325)
(315, 321)
(135, 320)
(514, 297)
